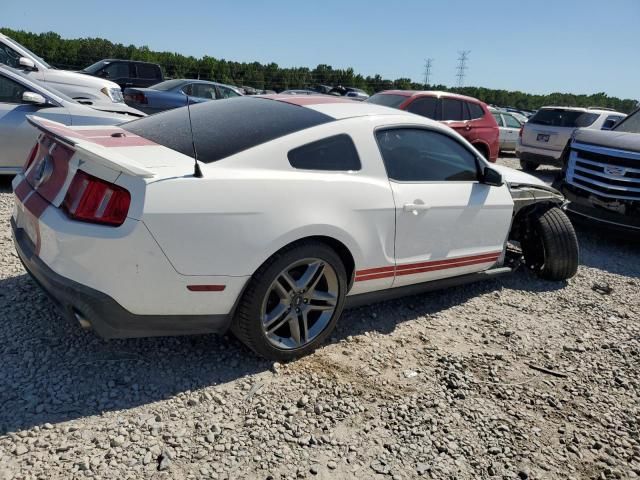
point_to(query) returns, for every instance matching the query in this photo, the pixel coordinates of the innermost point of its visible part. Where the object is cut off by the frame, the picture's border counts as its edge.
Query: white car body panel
(219, 229)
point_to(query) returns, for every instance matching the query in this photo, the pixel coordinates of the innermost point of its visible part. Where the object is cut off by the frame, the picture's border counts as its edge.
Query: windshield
(563, 118)
(387, 100)
(631, 124)
(167, 85)
(45, 64)
(95, 67)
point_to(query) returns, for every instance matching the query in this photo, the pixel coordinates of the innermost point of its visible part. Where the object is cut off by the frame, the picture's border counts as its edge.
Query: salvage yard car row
(241, 215)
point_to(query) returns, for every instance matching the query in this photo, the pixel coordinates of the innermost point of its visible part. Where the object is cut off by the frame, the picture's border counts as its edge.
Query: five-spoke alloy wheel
(293, 302)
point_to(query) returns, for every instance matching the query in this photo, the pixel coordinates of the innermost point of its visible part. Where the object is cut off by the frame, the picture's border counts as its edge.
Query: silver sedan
(20, 96)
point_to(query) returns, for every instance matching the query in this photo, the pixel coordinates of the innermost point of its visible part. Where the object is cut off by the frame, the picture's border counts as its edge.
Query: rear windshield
(630, 124)
(387, 100)
(563, 118)
(168, 85)
(225, 127)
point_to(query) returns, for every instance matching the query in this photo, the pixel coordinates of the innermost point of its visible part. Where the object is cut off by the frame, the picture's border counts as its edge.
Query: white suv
(75, 85)
(546, 135)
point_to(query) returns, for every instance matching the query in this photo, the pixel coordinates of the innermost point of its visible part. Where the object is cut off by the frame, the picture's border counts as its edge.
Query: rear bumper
(583, 207)
(542, 156)
(106, 316)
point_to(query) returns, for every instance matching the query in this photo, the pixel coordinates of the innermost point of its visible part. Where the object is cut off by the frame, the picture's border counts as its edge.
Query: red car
(466, 115)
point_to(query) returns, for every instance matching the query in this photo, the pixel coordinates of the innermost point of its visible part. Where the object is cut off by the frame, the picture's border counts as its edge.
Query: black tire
(247, 324)
(551, 249)
(528, 166)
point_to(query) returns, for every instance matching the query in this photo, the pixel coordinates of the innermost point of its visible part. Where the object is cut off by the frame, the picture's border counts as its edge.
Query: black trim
(107, 317)
(540, 159)
(581, 204)
(363, 299)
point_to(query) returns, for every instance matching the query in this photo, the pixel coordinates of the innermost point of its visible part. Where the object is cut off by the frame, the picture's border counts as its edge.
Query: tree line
(78, 53)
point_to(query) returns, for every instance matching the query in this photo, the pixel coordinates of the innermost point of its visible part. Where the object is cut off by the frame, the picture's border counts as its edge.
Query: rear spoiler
(93, 151)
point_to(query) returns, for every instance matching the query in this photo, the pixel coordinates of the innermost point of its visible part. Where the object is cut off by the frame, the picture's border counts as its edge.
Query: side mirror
(33, 98)
(27, 63)
(492, 177)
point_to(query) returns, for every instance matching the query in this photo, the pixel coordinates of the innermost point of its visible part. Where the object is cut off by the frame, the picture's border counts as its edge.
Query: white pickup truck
(75, 85)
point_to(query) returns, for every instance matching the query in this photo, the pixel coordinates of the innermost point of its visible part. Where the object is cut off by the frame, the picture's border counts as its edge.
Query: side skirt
(362, 299)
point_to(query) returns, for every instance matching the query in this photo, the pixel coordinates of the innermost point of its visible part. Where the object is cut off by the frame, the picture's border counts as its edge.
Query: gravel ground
(511, 378)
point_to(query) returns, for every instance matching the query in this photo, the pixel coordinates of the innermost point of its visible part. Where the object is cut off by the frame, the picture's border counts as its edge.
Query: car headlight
(114, 93)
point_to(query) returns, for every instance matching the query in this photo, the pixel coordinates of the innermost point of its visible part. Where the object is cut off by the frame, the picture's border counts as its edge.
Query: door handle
(415, 208)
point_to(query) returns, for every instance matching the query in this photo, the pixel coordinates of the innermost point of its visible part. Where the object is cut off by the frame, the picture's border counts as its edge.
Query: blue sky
(538, 47)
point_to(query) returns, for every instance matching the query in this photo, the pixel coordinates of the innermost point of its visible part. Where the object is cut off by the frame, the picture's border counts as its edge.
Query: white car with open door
(269, 215)
(73, 84)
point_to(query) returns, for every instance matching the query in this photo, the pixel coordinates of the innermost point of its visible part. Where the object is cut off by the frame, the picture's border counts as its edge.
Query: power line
(463, 57)
(427, 71)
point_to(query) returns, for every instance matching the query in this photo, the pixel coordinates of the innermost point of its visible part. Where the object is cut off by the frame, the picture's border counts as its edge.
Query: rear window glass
(452, 109)
(387, 100)
(146, 70)
(563, 118)
(333, 153)
(425, 106)
(222, 129)
(476, 110)
(168, 85)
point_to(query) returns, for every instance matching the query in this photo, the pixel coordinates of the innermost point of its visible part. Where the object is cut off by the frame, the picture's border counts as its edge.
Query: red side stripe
(60, 156)
(22, 190)
(413, 268)
(36, 205)
(206, 288)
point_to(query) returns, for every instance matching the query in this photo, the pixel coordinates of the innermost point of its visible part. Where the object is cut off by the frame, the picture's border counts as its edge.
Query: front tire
(528, 166)
(551, 247)
(293, 302)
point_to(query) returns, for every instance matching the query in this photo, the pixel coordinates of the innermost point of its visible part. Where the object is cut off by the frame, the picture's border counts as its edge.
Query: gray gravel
(435, 386)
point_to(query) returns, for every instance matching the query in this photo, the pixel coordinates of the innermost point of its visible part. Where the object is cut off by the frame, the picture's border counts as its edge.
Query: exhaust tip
(82, 320)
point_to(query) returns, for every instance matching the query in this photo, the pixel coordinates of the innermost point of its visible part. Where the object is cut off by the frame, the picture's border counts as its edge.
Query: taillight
(520, 133)
(91, 199)
(32, 157)
(136, 97)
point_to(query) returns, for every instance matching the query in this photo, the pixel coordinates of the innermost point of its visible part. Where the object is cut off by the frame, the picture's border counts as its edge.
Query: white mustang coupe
(269, 215)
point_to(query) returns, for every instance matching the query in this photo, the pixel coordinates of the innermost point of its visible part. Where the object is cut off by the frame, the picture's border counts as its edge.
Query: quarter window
(418, 155)
(452, 109)
(336, 153)
(425, 106)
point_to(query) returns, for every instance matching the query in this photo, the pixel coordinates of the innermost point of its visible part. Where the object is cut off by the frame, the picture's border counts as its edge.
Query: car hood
(609, 138)
(73, 78)
(517, 177)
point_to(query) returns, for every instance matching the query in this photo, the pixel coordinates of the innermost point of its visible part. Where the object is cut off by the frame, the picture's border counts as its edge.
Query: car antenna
(196, 167)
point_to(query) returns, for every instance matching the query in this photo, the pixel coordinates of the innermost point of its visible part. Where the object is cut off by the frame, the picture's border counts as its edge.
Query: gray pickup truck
(602, 175)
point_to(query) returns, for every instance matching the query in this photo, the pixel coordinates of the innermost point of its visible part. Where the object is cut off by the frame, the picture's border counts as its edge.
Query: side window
(8, 56)
(336, 153)
(10, 91)
(203, 90)
(498, 118)
(188, 89)
(611, 121)
(476, 110)
(511, 122)
(425, 106)
(417, 155)
(226, 92)
(144, 70)
(117, 70)
(452, 109)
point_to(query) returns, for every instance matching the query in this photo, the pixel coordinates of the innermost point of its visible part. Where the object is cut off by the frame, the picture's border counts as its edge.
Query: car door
(500, 122)
(17, 136)
(454, 113)
(118, 72)
(447, 222)
(511, 131)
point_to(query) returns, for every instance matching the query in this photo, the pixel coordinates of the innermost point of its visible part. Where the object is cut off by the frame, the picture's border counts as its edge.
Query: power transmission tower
(462, 66)
(427, 71)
